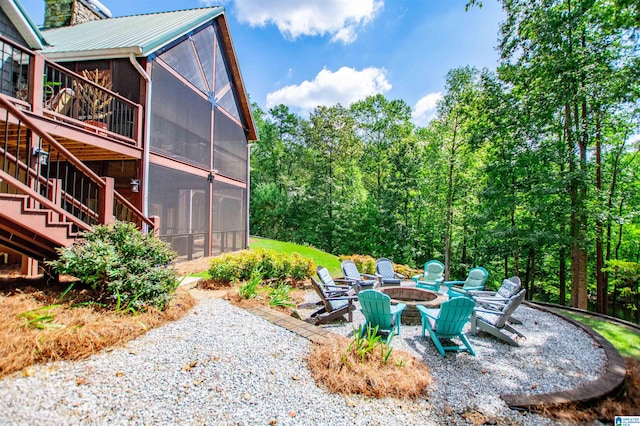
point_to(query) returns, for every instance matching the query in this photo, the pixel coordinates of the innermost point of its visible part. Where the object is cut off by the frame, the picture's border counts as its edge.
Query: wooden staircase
(45, 205)
(34, 231)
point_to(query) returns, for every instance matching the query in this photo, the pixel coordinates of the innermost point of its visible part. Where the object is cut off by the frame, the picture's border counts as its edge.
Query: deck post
(105, 203)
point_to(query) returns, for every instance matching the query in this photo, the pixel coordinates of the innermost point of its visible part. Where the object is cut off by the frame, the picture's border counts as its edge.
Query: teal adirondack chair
(378, 312)
(432, 276)
(447, 323)
(475, 281)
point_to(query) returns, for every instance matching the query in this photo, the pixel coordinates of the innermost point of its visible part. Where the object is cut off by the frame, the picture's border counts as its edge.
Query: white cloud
(425, 109)
(345, 86)
(294, 18)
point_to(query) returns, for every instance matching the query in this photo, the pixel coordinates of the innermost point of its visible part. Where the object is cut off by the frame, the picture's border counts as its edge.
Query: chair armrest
(475, 288)
(343, 280)
(417, 278)
(452, 283)
(483, 293)
(399, 275)
(430, 312)
(489, 311)
(369, 276)
(458, 290)
(398, 308)
(343, 298)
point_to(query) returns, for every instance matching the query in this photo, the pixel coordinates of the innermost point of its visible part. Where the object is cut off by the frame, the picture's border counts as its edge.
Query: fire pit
(413, 296)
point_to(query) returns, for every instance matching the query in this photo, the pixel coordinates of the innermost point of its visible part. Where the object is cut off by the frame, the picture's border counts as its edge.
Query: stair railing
(34, 159)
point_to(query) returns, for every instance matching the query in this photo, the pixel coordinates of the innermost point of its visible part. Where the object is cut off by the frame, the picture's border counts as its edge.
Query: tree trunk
(601, 286)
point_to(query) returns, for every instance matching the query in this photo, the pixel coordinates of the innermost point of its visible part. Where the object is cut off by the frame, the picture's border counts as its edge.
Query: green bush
(367, 265)
(129, 269)
(238, 266)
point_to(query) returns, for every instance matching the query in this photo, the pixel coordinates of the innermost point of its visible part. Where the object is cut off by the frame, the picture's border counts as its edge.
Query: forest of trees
(529, 170)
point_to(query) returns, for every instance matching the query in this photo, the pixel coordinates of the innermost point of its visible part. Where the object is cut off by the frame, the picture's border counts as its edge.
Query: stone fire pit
(413, 296)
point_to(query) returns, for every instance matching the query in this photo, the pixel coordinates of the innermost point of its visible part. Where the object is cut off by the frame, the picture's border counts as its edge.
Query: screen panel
(180, 120)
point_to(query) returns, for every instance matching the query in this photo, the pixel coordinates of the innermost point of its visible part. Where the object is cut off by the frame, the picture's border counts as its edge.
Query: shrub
(366, 264)
(129, 269)
(272, 265)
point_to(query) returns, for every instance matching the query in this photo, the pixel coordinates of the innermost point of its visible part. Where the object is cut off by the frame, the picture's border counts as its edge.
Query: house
(140, 118)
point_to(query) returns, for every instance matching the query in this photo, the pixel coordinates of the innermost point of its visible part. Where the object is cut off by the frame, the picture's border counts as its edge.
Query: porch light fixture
(211, 176)
(135, 185)
(41, 155)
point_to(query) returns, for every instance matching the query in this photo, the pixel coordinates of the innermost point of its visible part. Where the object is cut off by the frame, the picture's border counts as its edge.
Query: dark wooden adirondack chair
(337, 300)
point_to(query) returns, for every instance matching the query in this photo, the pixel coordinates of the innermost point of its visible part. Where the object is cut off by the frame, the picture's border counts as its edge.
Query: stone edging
(607, 383)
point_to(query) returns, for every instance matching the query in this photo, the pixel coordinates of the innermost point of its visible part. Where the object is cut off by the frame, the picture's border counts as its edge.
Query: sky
(306, 53)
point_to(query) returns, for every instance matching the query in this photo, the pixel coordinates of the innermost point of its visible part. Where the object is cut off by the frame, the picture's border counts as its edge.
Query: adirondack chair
(329, 282)
(335, 303)
(378, 312)
(497, 299)
(432, 276)
(495, 321)
(509, 287)
(448, 323)
(475, 281)
(61, 102)
(384, 270)
(358, 281)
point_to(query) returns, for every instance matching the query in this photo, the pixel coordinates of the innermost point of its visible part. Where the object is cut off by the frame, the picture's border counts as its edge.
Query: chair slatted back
(384, 267)
(325, 276)
(350, 270)
(329, 305)
(509, 287)
(376, 308)
(454, 314)
(476, 278)
(509, 308)
(433, 270)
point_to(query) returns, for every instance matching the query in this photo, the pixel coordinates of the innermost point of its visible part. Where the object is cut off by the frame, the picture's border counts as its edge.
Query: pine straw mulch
(341, 371)
(70, 333)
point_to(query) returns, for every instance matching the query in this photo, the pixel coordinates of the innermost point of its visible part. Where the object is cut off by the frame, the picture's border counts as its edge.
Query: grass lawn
(626, 341)
(329, 261)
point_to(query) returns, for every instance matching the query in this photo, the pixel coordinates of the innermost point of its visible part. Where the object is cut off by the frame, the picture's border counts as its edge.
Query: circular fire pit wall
(412, 296)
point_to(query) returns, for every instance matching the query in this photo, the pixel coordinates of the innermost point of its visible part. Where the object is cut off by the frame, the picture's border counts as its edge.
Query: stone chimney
(65, 13)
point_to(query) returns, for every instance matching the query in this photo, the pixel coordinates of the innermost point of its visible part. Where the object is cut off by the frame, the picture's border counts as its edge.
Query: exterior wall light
(212, 175)
(135, 185)
(41, 156)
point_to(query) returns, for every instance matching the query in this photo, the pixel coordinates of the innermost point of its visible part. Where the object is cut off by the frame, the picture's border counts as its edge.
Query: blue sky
(305, 53)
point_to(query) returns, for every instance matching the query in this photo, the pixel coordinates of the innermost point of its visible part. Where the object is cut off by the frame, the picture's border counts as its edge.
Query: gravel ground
(222, 365)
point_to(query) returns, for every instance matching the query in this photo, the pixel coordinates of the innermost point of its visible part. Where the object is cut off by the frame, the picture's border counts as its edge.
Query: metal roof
(118, 37)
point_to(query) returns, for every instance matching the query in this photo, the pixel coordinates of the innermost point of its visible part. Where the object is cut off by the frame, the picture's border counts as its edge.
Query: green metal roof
(118, 37)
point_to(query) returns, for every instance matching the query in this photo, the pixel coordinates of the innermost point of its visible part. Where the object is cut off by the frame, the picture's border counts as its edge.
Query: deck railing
(61, 93)
(32, 158)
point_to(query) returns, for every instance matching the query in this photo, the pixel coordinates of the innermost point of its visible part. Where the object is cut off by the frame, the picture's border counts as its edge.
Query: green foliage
(239, 266)
(249, 289)
(520, 168)
(40, 318)
(128, 268)
(365, 346)
(280, 296)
